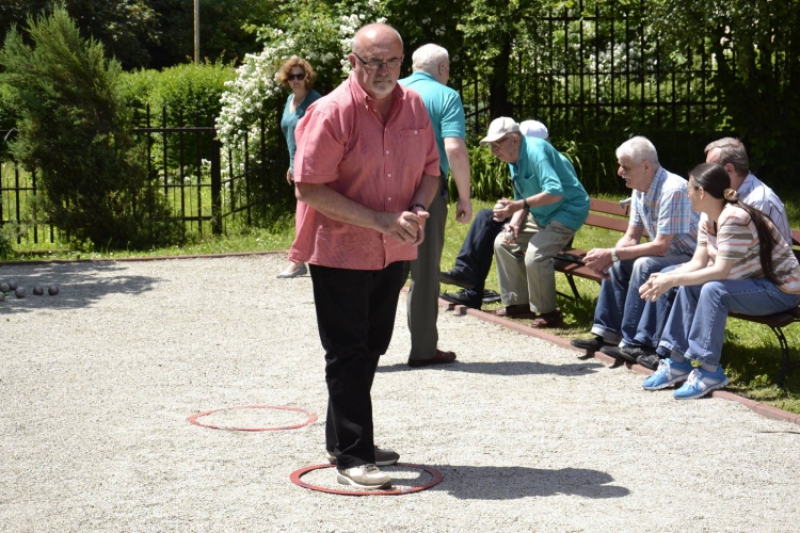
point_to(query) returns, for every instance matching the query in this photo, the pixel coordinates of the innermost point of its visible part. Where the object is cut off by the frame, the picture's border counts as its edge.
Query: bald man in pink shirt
(366, 169)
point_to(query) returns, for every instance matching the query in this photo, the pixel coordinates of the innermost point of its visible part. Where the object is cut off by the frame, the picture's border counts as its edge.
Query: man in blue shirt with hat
(549, 206)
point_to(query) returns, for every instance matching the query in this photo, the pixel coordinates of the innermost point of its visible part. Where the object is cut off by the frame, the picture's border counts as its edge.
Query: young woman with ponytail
(741, 264)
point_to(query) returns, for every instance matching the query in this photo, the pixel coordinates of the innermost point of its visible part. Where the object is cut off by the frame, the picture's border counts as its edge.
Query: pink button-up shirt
(343, 142)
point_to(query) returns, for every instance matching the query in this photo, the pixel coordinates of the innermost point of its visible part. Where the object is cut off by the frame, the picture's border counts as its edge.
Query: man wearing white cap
(474, 260)
(549, 206)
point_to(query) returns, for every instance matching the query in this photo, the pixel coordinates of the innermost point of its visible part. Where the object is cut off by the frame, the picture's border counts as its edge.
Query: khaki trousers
(422, 304)
(525, 267)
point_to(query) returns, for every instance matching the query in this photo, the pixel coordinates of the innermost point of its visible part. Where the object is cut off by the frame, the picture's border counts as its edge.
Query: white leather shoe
(289, 273)
(367, 477)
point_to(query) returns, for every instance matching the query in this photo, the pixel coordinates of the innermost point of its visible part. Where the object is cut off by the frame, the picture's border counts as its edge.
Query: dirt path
(97, 384)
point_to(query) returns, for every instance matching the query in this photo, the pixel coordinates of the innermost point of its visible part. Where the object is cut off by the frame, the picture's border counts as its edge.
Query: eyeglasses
(375, 64)
(300, 77)
(498, 142)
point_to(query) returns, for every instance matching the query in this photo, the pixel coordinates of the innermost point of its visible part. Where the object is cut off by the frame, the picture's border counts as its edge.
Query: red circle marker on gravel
(310, 420)
(436, 476)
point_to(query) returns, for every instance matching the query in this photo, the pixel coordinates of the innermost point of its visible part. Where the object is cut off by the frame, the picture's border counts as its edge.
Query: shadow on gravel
(508, 368)
(80, 285)
(514, 482)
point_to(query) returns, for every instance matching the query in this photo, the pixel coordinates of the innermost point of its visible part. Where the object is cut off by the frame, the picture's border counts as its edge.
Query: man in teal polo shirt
(431, 65)
(549, 206)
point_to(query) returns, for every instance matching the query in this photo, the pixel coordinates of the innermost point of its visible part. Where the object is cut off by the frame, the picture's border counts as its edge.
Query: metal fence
(600, 69)
(208, 188)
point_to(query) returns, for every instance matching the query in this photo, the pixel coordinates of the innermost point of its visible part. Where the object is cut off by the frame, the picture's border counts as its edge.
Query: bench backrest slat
(611, 208)
(601, 221)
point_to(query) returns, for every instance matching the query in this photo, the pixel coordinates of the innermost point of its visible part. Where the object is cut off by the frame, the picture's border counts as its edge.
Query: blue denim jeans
(701, 339)
(654, 316)
(619, 307)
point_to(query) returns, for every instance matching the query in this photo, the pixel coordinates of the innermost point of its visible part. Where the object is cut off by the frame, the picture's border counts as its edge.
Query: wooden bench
(570, 260)
(570, 263)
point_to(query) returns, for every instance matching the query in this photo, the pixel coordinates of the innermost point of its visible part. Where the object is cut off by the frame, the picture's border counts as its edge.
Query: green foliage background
(75, 129)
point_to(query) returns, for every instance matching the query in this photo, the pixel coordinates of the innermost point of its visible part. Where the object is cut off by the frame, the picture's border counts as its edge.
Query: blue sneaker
(668, 373)
(700, 383)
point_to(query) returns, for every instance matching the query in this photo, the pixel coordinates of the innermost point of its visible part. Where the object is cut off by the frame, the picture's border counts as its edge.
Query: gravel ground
(97, 383)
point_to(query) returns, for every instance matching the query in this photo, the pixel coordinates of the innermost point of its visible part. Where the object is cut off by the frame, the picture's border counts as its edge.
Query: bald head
(374, 34)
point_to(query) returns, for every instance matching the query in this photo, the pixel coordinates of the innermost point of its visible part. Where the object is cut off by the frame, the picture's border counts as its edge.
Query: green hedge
(193, 89)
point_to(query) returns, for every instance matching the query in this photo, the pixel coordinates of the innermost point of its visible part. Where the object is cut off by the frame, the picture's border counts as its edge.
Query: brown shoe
(441, 358)
(553, 319)
(515, 311)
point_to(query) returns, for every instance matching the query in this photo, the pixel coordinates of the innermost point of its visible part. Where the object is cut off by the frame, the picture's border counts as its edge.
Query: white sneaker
(382, 457)
(367, 477)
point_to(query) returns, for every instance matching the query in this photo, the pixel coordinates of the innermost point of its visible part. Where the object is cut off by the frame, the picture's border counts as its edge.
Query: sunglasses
(299, 77)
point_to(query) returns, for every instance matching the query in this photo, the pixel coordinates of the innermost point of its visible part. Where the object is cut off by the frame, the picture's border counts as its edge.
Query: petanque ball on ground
(12, 285)
(52, 290)
(19, 292)
(38, 291)
(5, 287)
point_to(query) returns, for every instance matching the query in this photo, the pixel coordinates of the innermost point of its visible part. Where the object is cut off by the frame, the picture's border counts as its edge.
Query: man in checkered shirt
(660, 206)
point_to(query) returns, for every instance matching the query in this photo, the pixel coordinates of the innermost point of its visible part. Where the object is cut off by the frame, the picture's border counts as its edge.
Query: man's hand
(503, 210)
(464, 210)
(289, 176)
(510, 233)
(599, 261)
(407, 227)
(422, 218)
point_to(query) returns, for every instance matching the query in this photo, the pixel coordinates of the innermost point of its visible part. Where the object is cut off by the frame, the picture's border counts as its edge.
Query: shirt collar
(364, 99)
(423, 75)
(655, 185)
(747, 185)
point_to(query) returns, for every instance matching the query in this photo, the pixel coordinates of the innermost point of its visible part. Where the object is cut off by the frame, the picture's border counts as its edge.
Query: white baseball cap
(533, 128)
(499, 128)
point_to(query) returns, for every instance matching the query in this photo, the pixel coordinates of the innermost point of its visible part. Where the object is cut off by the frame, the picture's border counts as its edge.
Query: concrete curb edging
(138, 259)
(767, 411)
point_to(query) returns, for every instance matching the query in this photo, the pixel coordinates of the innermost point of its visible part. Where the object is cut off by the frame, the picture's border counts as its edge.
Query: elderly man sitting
(474, 260)
(661, 207)
(549, 206)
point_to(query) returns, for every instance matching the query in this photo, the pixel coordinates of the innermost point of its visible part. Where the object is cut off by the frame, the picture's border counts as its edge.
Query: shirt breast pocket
(414, 150)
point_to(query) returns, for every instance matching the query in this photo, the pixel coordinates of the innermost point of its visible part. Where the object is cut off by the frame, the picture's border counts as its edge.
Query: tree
(73, 130)
(125, 27)
(756, 44)
(227, 29)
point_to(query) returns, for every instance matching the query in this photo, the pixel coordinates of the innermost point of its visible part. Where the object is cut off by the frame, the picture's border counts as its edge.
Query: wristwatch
(614, 256)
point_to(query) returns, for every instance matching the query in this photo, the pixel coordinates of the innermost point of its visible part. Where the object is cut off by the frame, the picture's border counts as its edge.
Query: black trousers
(355, 315)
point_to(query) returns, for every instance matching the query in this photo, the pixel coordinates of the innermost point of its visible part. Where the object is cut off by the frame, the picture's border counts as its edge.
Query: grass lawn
(751, 355)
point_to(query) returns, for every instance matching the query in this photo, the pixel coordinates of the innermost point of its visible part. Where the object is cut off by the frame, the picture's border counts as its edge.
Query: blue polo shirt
(542, 168)
(444, 108)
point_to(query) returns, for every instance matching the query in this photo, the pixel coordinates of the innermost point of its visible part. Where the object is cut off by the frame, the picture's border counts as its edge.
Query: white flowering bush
(256, 97)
